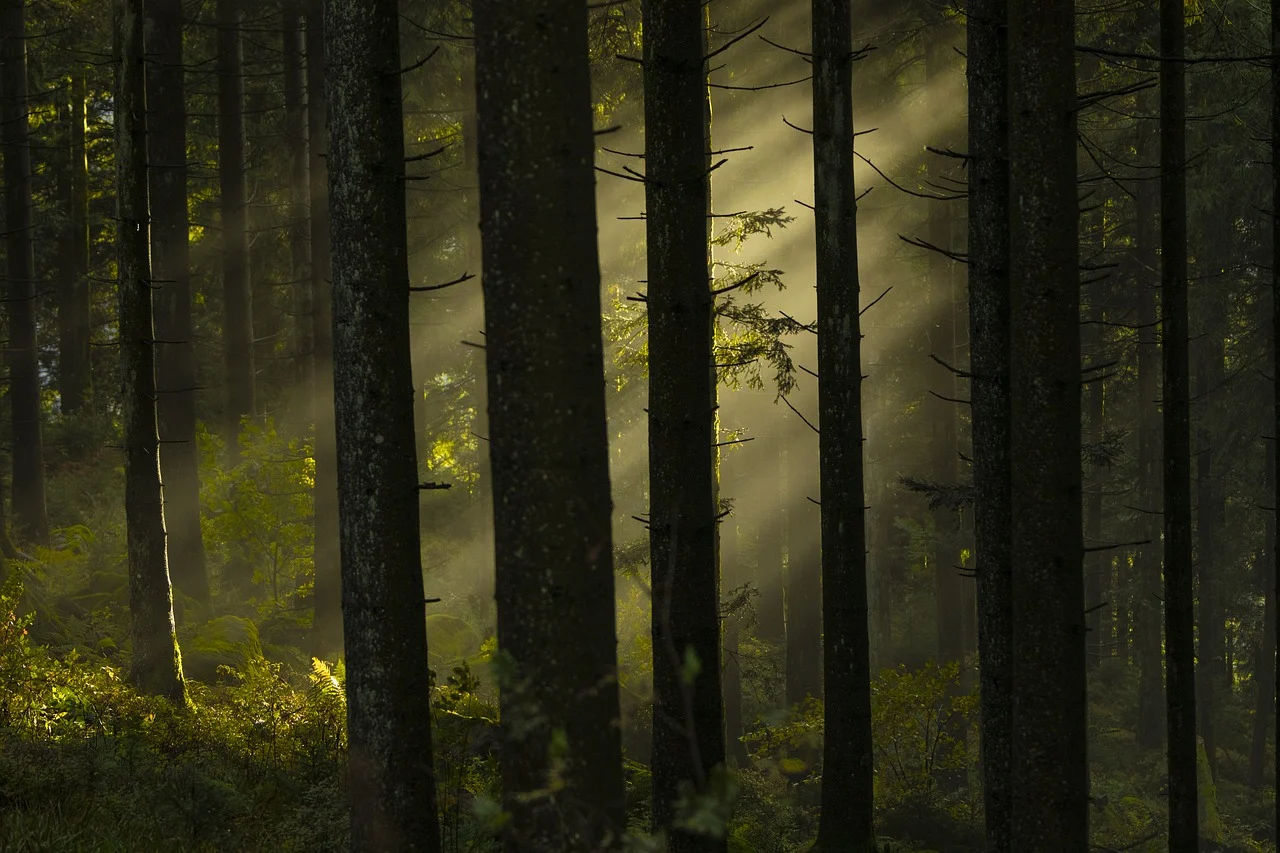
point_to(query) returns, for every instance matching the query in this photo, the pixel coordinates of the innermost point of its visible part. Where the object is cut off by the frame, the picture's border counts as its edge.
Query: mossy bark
(157, 664)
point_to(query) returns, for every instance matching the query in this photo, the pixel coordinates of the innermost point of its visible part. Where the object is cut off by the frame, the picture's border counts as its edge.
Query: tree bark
(237, 298)
(171, 267)
(1274, 470)
(1179, 598)
(846, 821)
(989, 218)
(1147, 613)
(688, 724)
(75, 380)
(391, 783)
(548, 442)
(1050, 779)
(22, 352)
(157, 664)
(938, 412)
(327, 629)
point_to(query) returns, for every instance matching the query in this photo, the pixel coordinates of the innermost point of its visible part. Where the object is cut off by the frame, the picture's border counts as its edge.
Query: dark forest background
(237, 234)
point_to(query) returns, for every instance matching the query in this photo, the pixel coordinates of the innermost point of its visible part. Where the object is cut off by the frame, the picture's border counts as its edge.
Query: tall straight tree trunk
(75, 379)
(237, 298)
(171, 267)
(1148, 623)
(847, 788)
(770, 613)
(157, 663)
(987, 52)
(391, 783)
(22, 354)
(948, 583)
(296, 141)
(688, 725)
(1274, 472)
(327, 630)
(1179, 598)
(1050, 779)
(548, 442)
(1264, 671)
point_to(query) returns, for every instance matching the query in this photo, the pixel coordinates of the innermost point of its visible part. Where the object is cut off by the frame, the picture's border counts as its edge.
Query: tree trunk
(75, 381)
(391, 783)
(157, 663)
(1096, 563)
(327, 629)
(1050, 779)
(846, 821)
(688, 733)
(1147, 619)
(237, 299)
(22, 354)
(296, 142)
(803, 584)
(770, 613)
(940, 413)
(1179, 598)
(1263, 669)
(171, 265)
(989, 220)
(548, 442)
(1274, 468)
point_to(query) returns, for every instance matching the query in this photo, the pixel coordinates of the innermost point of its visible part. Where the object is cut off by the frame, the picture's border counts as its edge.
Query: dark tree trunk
(157, 664)
(846, 822)
(237, 298)
(22, 353)
(1263, 669)
(1147, 619)
(1096, 564)
(1050, 778)
(1274, 468)
(1179, 598)
(948, 583)
(296, 142)
(688, 725)
(390, 778)
(171, 265)
(770, 613)
(548, 443)
(327, 632)
(75, 379)
(989, 218)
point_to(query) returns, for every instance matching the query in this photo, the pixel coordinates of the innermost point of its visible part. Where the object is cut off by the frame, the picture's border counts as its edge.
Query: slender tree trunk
(328, 600)
(989, 218)
(22, 354)
(296, 142)
(1274, 468)
(171, 265)
(1263, 669)
(846, 822)
(391, 783)
(237, 298)
(157, 663)
(548, 442)
(1179, 598)
(770, 613)
(1148, 622)
(688, 725)
(75, 380)
(733, 577)
(1050, 779)
(941, 413)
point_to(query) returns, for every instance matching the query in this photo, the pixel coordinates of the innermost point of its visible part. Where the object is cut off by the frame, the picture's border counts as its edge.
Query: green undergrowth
(255, 762)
